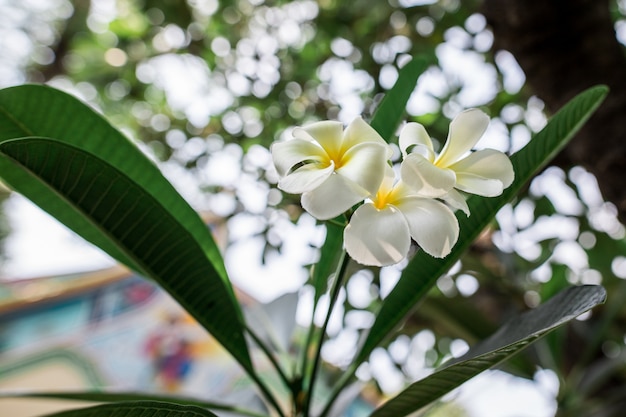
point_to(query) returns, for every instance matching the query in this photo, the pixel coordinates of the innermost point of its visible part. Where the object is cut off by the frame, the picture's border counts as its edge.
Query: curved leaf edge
(392, 108)
(243, 357)
(129, 396)
(495, 349)
(26, 99)
(137, 409)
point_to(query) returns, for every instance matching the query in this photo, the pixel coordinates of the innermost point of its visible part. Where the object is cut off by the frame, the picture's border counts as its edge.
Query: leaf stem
(267, 394)
(117, 397)
(265, 349)
(304, 358)
(312, 374)
(330, 256)
(338, 388)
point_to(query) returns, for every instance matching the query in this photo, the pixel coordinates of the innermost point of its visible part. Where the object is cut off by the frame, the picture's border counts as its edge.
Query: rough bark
(564, 47)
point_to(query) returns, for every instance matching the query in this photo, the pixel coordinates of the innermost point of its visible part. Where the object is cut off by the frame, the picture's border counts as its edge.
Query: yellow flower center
(384, 197)
(335, 158)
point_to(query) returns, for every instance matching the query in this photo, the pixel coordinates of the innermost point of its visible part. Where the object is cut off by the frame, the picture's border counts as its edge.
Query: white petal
(424, 151)
(427, 179)
(377, 237)
(456, 200)
(327, 133)
(365, 164)
(289, 153)
(474, 184)
(487, 163)
(433, 225)
(465, 131)
(358, 131)
(305, 178)
(414, 134)
(334, 196)
(388, 183)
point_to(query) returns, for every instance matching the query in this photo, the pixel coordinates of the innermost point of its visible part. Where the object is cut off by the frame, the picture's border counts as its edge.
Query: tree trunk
(564, 47)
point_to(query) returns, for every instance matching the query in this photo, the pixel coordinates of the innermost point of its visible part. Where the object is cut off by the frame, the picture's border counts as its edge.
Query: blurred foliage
(201, 84)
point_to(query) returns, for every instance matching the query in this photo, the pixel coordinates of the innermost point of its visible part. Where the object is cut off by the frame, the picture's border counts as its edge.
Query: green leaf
(134, 221)
(423, 270)
(508, 340)
(329, 257)
(392, 108)
(137, 409)
(120, 397)
(38, 110)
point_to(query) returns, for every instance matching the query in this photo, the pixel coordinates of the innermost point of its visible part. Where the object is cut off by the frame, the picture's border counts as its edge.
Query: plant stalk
(265, 349)
(334, 294)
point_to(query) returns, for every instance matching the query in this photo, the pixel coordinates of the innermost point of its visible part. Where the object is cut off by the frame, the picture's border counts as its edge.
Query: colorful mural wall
(105, 330)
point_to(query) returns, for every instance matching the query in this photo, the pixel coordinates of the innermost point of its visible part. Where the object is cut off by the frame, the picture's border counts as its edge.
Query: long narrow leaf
(329, 257)
(118, 397)
(137, 409)
(392, 108)
(134, 221)
(39, 110)
(423, 270)
(510, 339)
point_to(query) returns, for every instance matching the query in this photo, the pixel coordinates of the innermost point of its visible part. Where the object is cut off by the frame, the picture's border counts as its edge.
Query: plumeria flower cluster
(336, 169)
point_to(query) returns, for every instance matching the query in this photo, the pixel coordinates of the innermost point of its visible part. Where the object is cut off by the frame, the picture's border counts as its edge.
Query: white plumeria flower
(485, 172)
(331, 167)
(380, 231)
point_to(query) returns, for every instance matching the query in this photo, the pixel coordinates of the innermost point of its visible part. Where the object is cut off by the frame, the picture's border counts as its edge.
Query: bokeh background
(205, 86)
